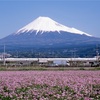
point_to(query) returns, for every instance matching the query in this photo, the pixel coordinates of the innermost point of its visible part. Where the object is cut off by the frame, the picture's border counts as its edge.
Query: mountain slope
(45, 24)
(43, 31)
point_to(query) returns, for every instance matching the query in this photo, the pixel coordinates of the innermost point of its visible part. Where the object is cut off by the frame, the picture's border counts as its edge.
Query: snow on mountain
(46, 24)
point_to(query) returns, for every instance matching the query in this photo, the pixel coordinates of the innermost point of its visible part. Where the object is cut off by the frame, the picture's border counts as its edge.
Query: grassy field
(26, 68)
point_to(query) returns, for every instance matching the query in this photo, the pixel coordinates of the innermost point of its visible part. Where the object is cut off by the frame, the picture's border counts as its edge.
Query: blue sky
(81, 14)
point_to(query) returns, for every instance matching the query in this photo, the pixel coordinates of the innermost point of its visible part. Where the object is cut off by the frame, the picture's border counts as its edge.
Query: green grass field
(20, 68)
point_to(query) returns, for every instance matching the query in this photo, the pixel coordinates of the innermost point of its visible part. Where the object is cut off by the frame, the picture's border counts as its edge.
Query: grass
(26, 68)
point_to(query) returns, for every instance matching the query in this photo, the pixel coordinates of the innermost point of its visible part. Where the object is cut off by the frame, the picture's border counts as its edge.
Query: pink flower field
(49, 85)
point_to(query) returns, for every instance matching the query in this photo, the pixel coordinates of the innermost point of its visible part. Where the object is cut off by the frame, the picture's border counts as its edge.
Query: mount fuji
(45, 32)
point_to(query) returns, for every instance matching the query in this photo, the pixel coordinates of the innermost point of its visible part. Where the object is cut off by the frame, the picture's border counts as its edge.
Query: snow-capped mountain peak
(46, 24)
(43, 24)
